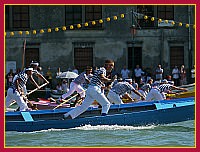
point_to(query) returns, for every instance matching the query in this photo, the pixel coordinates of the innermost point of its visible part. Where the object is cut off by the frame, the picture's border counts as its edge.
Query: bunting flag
(94, 23)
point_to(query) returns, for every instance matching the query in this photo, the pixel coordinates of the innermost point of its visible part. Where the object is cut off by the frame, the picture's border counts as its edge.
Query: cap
(119, 79)
(128, 80)
(29, 69)
(34, 63)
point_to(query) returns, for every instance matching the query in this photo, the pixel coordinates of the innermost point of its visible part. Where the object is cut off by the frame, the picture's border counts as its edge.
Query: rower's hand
(24, 97)
(143, 98)
(115, 77)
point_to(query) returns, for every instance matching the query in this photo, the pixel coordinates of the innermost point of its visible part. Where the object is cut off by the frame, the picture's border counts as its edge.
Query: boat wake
(113, 127)
(102, 127)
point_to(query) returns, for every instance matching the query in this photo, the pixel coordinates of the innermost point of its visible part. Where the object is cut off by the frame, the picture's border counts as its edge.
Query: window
(31, 54)
(134, 57)
(7, 17)
(73, 15)
(93, 13)
(176, 56)
(20, 17)
(166, 12)
(148, 11)
(83, 57)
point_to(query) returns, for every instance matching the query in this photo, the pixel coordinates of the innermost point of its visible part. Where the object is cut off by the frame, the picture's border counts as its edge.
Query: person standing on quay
(94, 92)
(159, 73)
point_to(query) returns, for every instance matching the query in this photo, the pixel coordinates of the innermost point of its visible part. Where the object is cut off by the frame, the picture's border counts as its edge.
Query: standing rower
(94, 92)
(16, 92)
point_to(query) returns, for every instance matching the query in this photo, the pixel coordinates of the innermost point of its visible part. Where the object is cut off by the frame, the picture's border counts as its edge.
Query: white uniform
(13, 94)
(93, 93)
(76, 86)
(154, 94)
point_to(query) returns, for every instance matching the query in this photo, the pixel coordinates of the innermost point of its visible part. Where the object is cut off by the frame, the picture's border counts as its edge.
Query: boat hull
(162, 114)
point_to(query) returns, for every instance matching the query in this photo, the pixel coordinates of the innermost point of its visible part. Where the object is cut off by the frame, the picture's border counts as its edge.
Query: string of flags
(94, 22)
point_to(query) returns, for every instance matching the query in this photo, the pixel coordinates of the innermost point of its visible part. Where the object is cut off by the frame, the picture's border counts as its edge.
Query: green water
(172, 135)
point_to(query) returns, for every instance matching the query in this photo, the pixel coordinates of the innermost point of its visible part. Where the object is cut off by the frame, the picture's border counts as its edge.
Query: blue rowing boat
(130, 114)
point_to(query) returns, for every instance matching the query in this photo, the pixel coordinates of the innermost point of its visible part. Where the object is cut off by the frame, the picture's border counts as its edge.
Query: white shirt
(138, 72)
(124, 73)
(175, 73)
(154, 94)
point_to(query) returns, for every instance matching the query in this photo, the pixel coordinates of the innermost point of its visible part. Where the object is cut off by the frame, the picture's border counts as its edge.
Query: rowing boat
(131, 114)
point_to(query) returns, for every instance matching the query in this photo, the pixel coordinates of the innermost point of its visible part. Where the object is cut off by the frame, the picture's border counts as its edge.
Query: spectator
(138, 74)
(183, 80)
(193, 74)
(64, 86)
(125, 73)
(176, 76)
(9, 78)
(59, 87)
(75, 70)
(159, 73)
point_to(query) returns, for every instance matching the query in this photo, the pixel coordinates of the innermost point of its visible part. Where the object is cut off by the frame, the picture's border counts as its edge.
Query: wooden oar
(67, 100)
(30, 93)
(36, 88)
(31, 104)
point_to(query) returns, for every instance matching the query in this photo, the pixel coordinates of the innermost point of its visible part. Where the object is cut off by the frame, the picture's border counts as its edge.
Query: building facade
(79, 35)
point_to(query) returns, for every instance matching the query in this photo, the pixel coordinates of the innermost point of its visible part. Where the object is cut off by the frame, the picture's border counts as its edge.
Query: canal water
(180, 134)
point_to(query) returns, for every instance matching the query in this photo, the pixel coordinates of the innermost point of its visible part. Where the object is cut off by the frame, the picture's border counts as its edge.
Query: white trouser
(114, 98)
(154, 94)
(92, 93)
(74, 87)
(15, 96)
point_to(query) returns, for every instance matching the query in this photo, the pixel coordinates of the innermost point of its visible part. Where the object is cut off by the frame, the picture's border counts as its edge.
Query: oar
(12, 103)
(67, 100)
(36, 88)
(30, 93)
(31, 104)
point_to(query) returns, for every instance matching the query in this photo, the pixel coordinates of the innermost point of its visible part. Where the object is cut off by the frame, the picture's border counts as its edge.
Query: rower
(121, 89)
(166, 88)
(94, 92)
(75, 85)
(16, 92)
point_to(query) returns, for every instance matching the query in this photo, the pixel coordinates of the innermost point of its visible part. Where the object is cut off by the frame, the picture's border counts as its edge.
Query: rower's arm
(139, 94)
(103, 78)
(178, 88)
(127, 96)
(17, 86)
